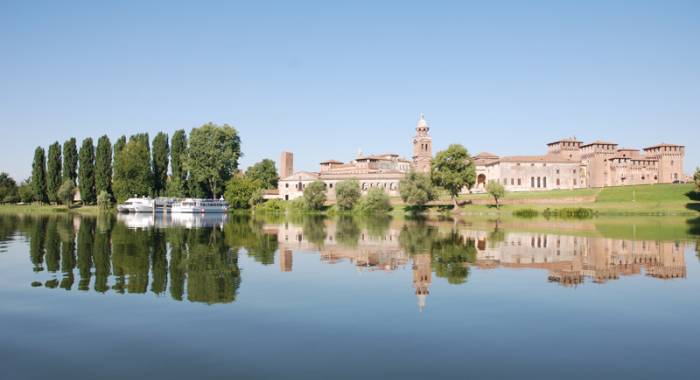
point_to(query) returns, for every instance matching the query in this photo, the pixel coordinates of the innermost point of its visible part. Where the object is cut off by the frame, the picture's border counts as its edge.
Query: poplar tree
(39, 176)
(86, 172)
(103, 166)
(53, 171)
(161, 150)
(179, 174)
(70, 160)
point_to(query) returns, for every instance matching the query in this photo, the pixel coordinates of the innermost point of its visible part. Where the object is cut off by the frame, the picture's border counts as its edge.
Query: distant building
(568, 164)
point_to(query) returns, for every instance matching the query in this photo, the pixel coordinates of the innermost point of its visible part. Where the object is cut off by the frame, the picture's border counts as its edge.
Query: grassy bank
(47, 209)
(627, 200)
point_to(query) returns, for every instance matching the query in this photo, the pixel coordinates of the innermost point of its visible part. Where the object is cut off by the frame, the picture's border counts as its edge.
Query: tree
(39, 176)
(315, 195)
(66, 192)
(496, 190)
(240, 190)
(453, 169)
(178, 179)
(104, 201)
(696, 179)
(8, 188)
(417, 189)
(212, 156)
(132, 171)
(53, 171)
(265, 172)
(347, 194)
(375, 202)
(25, 192)
(86, 172)
(70, 160)
(103, 166)
(161, 151)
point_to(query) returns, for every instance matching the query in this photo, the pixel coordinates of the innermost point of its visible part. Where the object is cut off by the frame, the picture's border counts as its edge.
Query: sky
(324, 79)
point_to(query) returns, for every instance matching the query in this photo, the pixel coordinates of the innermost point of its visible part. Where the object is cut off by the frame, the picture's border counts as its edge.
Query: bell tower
(422, 147)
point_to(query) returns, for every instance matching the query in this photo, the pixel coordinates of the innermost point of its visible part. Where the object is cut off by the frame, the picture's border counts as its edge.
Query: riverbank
(39, 209)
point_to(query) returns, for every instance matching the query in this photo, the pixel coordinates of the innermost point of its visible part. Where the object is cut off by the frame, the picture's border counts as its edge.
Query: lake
(227, 296)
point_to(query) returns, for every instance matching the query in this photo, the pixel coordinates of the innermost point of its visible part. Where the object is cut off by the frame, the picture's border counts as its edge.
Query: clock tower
(422, 147)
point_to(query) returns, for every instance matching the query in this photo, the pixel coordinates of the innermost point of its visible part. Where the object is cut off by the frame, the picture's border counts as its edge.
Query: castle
(568, 164)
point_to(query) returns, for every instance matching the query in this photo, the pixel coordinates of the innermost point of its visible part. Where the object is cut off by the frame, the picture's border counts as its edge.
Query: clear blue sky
(323, 80)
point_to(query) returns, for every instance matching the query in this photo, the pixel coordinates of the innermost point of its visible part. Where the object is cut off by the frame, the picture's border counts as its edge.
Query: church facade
(567, 164)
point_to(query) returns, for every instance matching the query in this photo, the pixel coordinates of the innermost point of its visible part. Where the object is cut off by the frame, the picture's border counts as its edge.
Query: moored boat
(136, 205)
(198, 205)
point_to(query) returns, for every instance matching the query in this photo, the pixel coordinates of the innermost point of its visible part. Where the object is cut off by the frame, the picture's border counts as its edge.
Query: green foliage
(453, 169)
(569, 212)
(271, 206)
(39, 176)
(376, 201)
(161, 152)
(8, 189)
(265, 172)
(53, 171)
(496, 190)
(25, 192)
(451, 256)
(66, 192)
(212, 156)
(132, 170)
(696, 179)
(103, 166)
(526, 213)
(347, 194)
(240, 190)
(86, 172)
(315, 195)
(297, 205)
(70, 160)
(178, 179)
(417, 189)
(104, 201)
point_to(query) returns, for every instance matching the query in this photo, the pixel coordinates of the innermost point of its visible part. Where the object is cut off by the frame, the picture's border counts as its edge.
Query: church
(567, 164)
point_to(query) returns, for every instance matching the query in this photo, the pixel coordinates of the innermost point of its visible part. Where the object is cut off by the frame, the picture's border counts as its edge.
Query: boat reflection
(164, 220)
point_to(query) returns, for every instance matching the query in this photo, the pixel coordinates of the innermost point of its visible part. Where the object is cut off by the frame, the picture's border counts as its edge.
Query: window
(544, 182)
(539, 182)
(558, 182)
(532, 181)
(286, 185)
(505, 181)
(512, 181)
(557, 171)
(330, 185)
(574, 182)
(519, 182)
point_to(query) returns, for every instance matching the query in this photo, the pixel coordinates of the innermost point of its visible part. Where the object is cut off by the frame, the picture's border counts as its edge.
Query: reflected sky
(321, 293)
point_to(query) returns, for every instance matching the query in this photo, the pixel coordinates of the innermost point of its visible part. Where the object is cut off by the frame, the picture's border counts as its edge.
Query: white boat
(136, 205)
(198, 205)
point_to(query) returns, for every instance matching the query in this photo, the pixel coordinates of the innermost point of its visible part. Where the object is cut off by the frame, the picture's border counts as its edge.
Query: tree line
(196, 165)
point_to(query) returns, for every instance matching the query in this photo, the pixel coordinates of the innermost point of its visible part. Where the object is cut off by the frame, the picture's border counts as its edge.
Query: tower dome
(422, 125)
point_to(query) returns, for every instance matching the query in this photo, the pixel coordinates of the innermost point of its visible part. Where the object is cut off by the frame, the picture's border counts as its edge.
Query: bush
(417, 189)
(376, 201)
(315, 195)
(347, 194)
(569, 212)
(297, 205)
(271, 206)
(104, 201)
(526, 213)
(240, 190)
(66, 192)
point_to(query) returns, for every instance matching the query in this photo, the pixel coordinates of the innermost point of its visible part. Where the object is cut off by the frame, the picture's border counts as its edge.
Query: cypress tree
(161, 150)
(103, 166)
(86, 172)
(53, 171)
(70, 160)
(39, 176)
(178, 150)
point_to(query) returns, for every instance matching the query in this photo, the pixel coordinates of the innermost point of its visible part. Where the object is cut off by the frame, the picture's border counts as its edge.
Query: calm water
(235, 297)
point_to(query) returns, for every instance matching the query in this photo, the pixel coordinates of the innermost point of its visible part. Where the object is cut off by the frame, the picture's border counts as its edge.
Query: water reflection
(195, 257)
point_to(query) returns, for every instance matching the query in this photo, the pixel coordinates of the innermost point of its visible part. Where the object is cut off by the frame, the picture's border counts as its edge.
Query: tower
(286, 164)
(422, 147)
